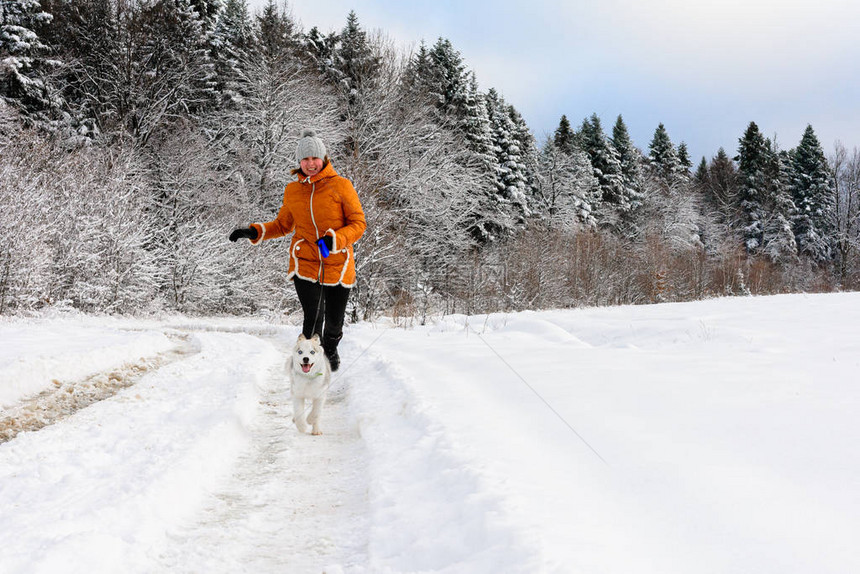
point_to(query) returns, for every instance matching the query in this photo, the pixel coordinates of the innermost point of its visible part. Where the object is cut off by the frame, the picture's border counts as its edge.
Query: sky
(703, 68)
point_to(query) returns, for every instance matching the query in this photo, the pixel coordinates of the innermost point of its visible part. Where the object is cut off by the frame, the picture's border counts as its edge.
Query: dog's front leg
(299, 414)
(314, 417)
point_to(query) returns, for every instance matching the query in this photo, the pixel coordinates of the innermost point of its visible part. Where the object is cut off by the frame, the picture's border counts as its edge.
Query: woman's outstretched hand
(247, 232)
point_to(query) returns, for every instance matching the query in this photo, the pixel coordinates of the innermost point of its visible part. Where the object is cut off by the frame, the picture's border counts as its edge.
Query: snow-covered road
(717, 436)
(294, 503)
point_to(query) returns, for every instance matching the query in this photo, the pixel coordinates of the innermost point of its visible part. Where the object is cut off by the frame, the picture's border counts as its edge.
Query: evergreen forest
(136, 134)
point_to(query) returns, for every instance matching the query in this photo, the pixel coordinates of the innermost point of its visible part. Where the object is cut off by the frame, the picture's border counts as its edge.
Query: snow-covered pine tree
(207, 11)
(454, 89)
(415, 81)
(355, 59)
(437, 80)
(605, 163)
(232, 43)
(166, 72)
(778, 241)
(701, 177)
(449, 80)
(671, 211)
(711, 228)
(631, 160)
(753, 158)
(528, 151)
(684, 159)
(511, 182)
(721, 189)
(663, 158)
(474, 124)
(320, 50)
(278, 36)
(564, 138)
(24, 61)
(87, 35)
(813, 192)
(176, 56)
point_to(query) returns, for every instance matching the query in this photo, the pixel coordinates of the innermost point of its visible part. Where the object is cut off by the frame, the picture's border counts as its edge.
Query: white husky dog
(310, 377)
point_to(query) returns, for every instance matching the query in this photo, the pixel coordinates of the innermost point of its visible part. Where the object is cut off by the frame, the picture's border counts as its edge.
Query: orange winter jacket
(325, 204)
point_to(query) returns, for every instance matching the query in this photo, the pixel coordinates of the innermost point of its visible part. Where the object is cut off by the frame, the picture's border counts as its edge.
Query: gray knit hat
(309, 146)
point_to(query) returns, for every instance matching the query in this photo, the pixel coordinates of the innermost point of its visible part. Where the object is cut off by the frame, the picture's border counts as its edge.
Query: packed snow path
(728, 430)
(294, 503)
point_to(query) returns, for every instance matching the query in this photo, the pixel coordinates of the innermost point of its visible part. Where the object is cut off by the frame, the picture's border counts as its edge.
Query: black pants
(323, 315)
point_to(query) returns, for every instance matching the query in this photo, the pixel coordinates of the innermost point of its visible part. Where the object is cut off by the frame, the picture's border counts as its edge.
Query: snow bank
(429, 511)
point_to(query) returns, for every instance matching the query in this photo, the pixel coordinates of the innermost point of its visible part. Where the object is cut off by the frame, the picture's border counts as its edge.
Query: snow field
(726, 426)
(725, 434)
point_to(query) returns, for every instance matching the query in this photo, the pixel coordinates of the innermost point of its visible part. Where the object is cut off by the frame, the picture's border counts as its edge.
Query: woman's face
(311, 165)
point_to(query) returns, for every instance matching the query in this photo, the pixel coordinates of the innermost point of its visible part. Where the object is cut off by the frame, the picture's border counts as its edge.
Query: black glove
(248, 232)
(327, 240)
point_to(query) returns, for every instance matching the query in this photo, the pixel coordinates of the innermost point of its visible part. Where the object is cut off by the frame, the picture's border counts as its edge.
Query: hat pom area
(309, 145)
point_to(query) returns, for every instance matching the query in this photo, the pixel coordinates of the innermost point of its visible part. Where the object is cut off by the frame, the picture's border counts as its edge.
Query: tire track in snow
(295, 503)
(67, 398)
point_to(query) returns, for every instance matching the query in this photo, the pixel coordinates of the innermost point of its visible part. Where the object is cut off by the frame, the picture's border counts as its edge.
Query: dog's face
(307, 353)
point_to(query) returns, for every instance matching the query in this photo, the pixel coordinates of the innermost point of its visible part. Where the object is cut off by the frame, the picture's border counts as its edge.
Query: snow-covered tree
(511, 182)
(701, 177)
(423, 190)
(207, 11)
(277, 35)
(24, 61)
(663, 157)
(320, 50)
(564, 138)
(474, 124)
(135, 67)
(812, 190)
(720, 190)
(631, 160)
(25, 258)
(671, 215)
(351, 63)
(527, 148)
(173, 74)
(448, 79)
(684, 159)
(846, 171)
(415, 79)
(605, 163)
(567, 193)
(232, 45)
(753, 159)
(355, 59)
(778, 241)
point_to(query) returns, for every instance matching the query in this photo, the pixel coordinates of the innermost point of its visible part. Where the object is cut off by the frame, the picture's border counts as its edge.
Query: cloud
(718, 43)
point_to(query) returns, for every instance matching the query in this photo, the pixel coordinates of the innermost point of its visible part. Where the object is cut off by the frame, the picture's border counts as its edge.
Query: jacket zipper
(316, 229)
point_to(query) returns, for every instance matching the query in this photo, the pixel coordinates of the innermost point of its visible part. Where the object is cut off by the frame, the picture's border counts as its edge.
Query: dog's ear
(302, 337)
(316, 339)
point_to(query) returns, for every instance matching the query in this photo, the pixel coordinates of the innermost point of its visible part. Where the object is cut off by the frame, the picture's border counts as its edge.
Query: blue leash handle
(323, 249)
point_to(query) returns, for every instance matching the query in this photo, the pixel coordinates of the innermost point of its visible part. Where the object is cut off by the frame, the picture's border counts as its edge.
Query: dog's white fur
(310, 377)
